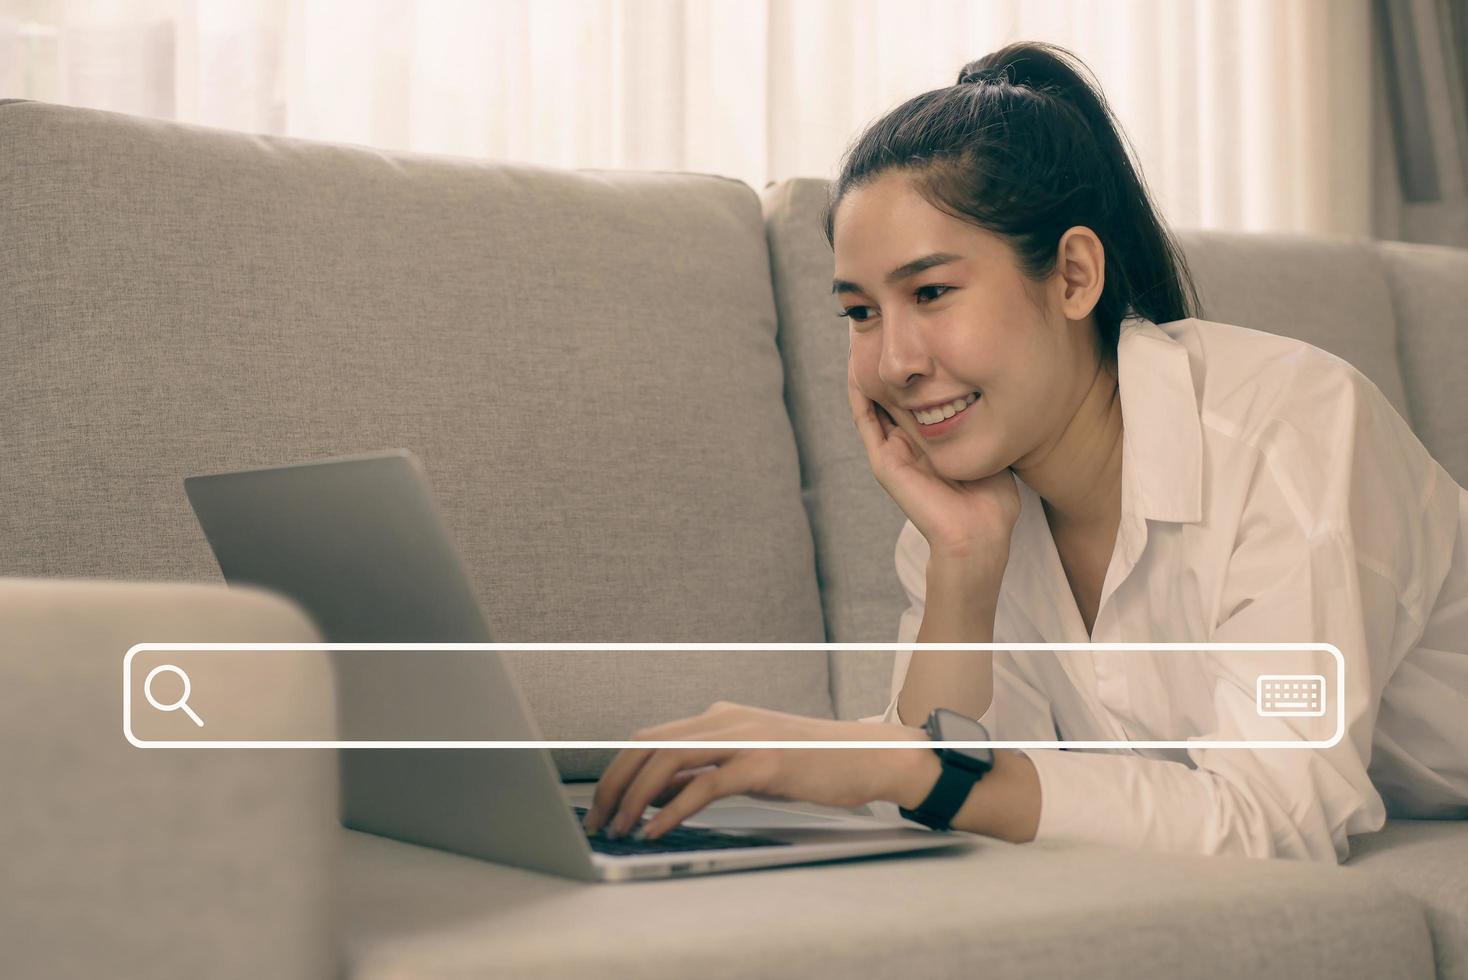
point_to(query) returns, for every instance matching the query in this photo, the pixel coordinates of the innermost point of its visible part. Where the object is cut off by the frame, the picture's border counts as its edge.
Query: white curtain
(1245, 114)
(1421, 121)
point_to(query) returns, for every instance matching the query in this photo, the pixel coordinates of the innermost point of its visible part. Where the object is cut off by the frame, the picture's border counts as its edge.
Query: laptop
(359, 543)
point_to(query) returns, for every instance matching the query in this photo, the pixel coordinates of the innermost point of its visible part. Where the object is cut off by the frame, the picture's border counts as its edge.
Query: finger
(767, 797)
(654, 776)
(609, 788)
(860, 403)
(884, 417)
(864, 414)
(704, 789)
(676, 784)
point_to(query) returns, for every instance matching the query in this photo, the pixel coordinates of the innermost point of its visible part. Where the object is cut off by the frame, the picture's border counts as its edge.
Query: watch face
(954, 727)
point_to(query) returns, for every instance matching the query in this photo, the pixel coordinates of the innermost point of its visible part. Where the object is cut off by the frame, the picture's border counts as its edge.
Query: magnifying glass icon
(183, 699)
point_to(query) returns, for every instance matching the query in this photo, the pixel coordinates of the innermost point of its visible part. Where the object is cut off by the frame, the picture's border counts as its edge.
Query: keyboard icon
(1289, 695)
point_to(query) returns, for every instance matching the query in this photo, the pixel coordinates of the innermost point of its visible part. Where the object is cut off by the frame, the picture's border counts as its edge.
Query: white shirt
(1270, 494)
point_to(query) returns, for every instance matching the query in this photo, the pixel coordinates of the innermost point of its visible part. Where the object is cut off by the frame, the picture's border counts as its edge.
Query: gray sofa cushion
(853, 520)
(1427, 859)
(997, 911)
(163, 863)
(585, 362)
(1429, 286)
(1329, 292)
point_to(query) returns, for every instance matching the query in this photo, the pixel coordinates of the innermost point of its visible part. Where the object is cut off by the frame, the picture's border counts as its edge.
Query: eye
(918, 292)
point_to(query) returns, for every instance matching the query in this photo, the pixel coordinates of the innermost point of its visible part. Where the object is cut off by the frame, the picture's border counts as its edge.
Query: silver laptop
(359, 543)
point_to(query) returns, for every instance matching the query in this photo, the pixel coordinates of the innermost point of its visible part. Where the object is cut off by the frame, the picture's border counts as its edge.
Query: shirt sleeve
(1283, 585)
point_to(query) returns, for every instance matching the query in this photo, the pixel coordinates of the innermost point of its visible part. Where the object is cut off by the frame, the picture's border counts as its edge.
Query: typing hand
(682, 781)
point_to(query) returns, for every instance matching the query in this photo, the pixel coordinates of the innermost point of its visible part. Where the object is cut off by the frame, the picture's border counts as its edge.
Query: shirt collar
(1162, 438)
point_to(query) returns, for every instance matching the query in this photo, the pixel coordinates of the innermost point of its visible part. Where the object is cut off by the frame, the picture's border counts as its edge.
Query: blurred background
(1338, 117)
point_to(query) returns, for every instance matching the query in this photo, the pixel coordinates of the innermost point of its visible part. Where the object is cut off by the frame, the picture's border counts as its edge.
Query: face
(971, 325)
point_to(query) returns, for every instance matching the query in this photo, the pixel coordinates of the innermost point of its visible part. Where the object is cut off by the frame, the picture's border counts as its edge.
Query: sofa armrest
(129, 862)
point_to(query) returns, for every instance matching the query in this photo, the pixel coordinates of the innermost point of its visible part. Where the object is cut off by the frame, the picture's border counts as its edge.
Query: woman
(1110, 469)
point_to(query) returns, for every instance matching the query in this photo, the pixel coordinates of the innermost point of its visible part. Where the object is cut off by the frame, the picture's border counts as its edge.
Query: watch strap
(945, 799)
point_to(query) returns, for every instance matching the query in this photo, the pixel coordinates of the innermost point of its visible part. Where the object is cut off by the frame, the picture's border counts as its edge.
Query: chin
(966, 471)
(961, 472)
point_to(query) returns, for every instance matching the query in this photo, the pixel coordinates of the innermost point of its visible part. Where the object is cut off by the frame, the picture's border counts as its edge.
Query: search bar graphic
(463, 695)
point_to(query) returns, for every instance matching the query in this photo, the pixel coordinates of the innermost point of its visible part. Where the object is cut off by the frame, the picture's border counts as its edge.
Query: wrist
(914, 772)
(970, 583)
(985, 562)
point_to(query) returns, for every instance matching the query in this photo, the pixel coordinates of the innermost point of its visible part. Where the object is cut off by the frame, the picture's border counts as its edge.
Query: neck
(1078, 472)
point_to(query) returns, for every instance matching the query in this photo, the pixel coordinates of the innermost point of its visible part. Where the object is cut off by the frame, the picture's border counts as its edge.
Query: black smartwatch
(961, 767)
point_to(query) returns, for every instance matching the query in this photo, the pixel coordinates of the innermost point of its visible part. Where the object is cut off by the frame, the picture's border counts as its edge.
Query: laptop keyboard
(680, 838)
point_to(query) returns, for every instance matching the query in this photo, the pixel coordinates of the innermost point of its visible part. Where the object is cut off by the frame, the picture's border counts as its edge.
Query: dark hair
(1025, 147)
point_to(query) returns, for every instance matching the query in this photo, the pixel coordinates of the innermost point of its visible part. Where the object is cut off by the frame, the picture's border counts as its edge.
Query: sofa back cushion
(1429, 286)
(585, 362)
(853, 520)
(1329, 292)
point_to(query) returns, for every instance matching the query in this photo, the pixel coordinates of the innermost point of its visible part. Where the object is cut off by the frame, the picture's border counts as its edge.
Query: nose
(904, 354)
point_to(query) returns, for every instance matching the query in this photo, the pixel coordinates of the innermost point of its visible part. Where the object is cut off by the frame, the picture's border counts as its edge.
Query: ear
(1081, 264)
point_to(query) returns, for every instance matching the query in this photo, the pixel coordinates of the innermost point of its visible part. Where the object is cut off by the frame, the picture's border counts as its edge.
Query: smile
(940, 414)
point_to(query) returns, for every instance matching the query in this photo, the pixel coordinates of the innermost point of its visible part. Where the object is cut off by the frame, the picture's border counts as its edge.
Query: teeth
(945, 411)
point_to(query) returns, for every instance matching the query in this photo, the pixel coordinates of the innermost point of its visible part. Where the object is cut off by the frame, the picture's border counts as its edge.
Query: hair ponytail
(1024, 146)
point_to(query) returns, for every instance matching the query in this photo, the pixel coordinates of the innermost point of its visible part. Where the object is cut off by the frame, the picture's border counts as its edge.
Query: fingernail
(639, 833)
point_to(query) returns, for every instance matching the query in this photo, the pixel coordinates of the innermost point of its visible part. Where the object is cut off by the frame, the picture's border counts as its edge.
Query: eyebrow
(901, 272)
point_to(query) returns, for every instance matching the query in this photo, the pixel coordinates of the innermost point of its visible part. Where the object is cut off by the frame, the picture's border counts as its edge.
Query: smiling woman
(1082, 460)
(1023, 324)
(990, 237)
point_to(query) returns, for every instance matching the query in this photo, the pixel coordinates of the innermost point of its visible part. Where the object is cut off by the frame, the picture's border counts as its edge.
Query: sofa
(628, 391)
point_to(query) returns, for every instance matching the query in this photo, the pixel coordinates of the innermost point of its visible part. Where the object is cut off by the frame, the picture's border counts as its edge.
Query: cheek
(1021, 413)
(864, 369)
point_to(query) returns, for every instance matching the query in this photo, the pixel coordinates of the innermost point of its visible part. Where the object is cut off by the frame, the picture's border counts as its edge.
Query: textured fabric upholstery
(853, 520)
(1329, 292)
(1429, 286)
(584, 361)
(1428, 860)
(161, 863)
(998, 911)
